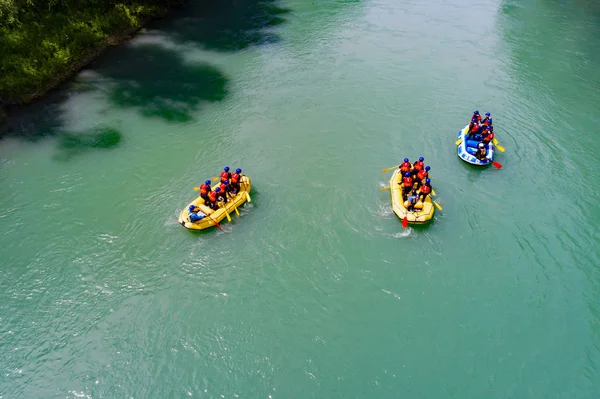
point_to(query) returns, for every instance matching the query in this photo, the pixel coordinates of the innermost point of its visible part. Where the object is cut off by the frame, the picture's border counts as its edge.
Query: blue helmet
(207, 182)
(407, 174)
(192, 207)
(487, 114)
(427, 168)
(405, 159)
(421, 159)
(226, 168)
(427, 180)
(226, 182)
(238, 171)
(217, 189)
(476, 112)
(488, 127)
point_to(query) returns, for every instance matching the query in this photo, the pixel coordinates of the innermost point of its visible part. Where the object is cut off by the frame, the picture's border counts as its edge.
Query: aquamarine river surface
(315, 290)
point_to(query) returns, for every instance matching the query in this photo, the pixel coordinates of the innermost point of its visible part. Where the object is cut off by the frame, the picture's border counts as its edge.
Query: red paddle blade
(497, 164)
(405, 222)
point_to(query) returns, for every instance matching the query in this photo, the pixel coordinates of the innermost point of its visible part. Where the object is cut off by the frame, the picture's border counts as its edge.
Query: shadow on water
(154, 80)
(72, 144)
(159, 83)
(227, 25)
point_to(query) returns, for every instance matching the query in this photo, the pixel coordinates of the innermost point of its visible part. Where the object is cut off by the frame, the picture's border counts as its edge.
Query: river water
(316, 290)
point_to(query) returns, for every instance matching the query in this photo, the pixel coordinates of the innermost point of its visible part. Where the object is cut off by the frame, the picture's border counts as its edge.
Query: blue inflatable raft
(467, 150)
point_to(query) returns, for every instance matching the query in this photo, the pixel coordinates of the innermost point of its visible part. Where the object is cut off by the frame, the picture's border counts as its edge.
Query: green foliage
(41, 40)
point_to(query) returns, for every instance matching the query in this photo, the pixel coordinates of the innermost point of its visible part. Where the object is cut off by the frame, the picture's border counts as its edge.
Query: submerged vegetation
(44, 41)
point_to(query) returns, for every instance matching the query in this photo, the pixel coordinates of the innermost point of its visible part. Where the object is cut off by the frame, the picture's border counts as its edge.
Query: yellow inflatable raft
(417, 217)
(219, 214)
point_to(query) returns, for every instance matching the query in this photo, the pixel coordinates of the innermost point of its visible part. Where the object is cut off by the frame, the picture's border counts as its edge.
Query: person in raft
(212, 200)
(411, 201)
(422, 175)
(405, 166)
(474, 129)
(425, 190)
(234, 185)
(205, 190)
(481, 152)
(195, 214)
(407, 185)
(225, 174)
(487, 135)
(221, 195)
(487, 121)
(417, 167)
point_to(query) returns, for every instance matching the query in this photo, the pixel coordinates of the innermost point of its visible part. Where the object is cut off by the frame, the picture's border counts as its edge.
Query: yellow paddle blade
(196, 188)
(236, 211)
(438, 206)
(228, 217)
(432, 192)
(385, 188)
(458, 141)
(500, 148)
(495, 141)
(248, 197)
(214, 178)
(465, 129)
(388, 169)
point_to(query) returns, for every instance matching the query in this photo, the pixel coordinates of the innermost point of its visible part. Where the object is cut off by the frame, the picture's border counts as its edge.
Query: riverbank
(42, 49)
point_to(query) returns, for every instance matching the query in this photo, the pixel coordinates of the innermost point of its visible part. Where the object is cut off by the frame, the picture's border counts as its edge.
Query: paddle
(499, 147)
(222, 205)
(388, 169)
(463, 132)
(405, 222)
(215, 222)
(438, 206)
(385, 188)
(248, 197)
(236, 211)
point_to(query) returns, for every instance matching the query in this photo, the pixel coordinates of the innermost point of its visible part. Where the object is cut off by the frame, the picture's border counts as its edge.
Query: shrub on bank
(42, 41)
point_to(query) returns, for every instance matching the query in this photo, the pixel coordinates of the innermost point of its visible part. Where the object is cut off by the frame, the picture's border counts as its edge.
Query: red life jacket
(486, 121)
(475, 129)
(235, 177)
(422, 174)
(213, 196)
(203, 191)
(419, 165)
(476, 117)
(203, 187)
(425, 189)
(407, 181)
(488, 137)
(223, 187)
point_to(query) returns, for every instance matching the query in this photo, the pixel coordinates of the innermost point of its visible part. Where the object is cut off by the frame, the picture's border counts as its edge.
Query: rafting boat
(221, 213)
(468, 148)
(421, 216)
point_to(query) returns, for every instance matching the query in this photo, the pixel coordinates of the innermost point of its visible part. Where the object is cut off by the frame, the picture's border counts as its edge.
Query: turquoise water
(316, 290)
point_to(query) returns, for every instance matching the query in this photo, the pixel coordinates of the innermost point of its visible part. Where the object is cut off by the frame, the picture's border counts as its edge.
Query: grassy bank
(44, 42)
